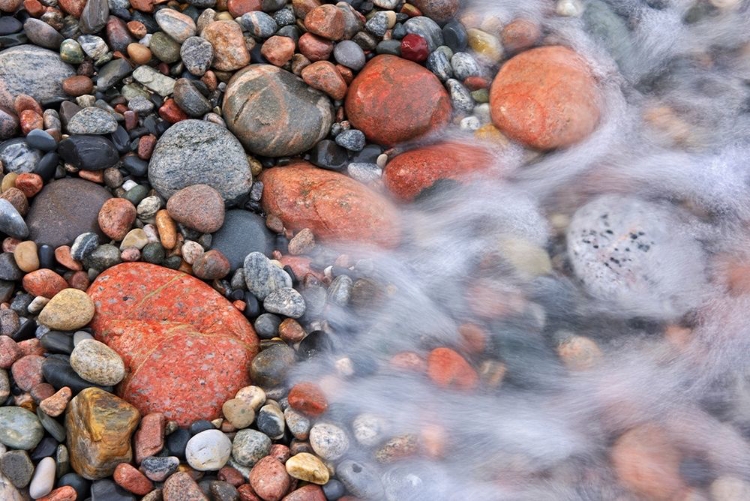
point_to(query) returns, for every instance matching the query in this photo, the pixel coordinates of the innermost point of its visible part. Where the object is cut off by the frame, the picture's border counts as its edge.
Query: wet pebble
(19, 428)
(328, 441)
(249, 446)
(285, 301)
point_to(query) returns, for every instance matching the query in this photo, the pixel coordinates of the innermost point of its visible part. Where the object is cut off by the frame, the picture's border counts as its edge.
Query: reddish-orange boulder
(545, 98)
(409, 173)
(448, 369)
(394, 100)
(335, 207)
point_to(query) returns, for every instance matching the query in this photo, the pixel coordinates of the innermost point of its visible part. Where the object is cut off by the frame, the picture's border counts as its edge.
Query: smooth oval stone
(65, 209)
(199, 152)
(243, 232)
(88, 152)
(11, 222)
(57, 342)
(18, 156)
(274, 113)
(26, 69)
(41, 140)
(208, 450)
(59, 373)
(250, 446)
(77, 482)
(19, 428)
(92, 120)
(44, 478)
(42, 34)
(9, 25)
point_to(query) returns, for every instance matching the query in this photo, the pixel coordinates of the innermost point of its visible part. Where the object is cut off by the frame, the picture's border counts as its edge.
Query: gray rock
(64, 209)
(52, 426)
(94, 16)
(141, 105)
(44, 478)
(250, 446)
(329, 441)
(259, 24)
(285, 301)
(17, 156)
(4, 385)
(105, 256)
(17, 467)
(439, 64)
(349, 54)
(92, 120)
(84, 245)
(8, 123)
(9, 270)
(243, 232)
(427, 29)
(11, 222)
(464, 65)
(175, 24)
(118, 4)
(153, 80)
(41, 140)
(198, 152)
(360, 480)
(189, 98)
(378, 24)
(284, 17)
(94, 46)
(197, 54)
(274, 113)
(19, 428)
(352, 140)
(164, 48)
(267, 325)
(364, 172)
(460, 96)
(112, 72)
(38, 72)
(159, 468)
(263, 277)
(386, 4)
(42, 34)
(297, 423)
(270, 421)
(270, 367)
(340, 290)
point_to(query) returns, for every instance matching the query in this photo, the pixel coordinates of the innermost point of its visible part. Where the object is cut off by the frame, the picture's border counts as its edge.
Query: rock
(378, 105)
(349, 54)
(19, 428)
(197, 54)
(270, 421)
(158, 468)
(326, 21)
(269, 479)
(181, 487)
(242, 233)
(298, 424)
(68, 310)
(107, 489)
(520, 34)
(8, 119)
(448, 369)
(92, 120)
(566, 105)
(308, 468)
(153, 80)
(230, 51)
(175, 24)
(198, 152)
(308, 399)
(7, 490)
(324, 76)
(335, 207)
(97, 363)
(328, 441)
(112, 72)
(438, 10)
(414, 171)
(26, 69)
(11, 222)
(250, 446)
(94, 16)
(27, 371)
(208, 450)
(274, 113)
(132, 480)
(116, 218)
(313, 493)
(211, 265)
(42, 34)
(44, 478)
(199, 207)
(44, 282)
(352, 140)
(278, 50)
(18, 156)
(262, 277)
(90, 152)
(65, 209)
(17, 467)
(285, 301)
(427, 29)
(56, 404)
(259, 24)
(360, 480)
(238, 412)
(189, 99)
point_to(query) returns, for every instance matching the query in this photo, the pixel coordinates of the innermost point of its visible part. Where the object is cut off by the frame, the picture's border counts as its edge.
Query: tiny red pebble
(476, 83)
(172, 113)
(308, 399)
(414, 48)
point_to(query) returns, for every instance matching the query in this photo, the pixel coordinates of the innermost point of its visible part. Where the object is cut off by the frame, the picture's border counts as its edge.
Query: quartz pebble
(208, 450)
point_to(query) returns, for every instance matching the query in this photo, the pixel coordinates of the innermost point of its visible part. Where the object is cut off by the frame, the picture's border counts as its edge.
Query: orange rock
(278, 50)
(520, 34)
(29, 183)
(448, 369)
(308, 399)
(545, 98)
(238, 7)
(324, 76)
(116, 218)
(44, 283)
(335, 207)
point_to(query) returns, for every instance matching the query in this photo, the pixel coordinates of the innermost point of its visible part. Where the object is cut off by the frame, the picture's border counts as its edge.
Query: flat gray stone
(19, 428)
(92, 120)
(243, 232)
(27, 69)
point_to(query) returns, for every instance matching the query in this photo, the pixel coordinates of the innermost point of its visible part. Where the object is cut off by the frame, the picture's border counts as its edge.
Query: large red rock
(334, 206)
(407, 175)
(394, 100)
(545, 98)
(186, 349)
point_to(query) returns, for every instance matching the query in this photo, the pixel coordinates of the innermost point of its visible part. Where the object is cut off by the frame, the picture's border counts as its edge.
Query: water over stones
(31, 70)
(274, 113)
(199, 152)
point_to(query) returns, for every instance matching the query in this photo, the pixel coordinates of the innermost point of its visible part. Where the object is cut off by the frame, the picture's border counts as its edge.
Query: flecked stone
(164, 48)
(274, 113)
(311, 493)
(427, 29)
(9, 351)
(323, 76)
(250, 446)
(181, 487)
(377, 105)
(8, 121)
(328, 441)
(366, 216)
(94, 16)
(360, 480)
(308, 398)
(153, 80)
(197, 54)
(11, 222)
(175, 24)
(34, 71)
(313, 48)
(69, 310)
(199, 152)
(158, 468)
(132, 480)
(259, 24)
(92, 120)
(238, 412)
(189, 99)
(44, 282)
(104, 256)
(27, 371)
(17, 467)
(19, 428)
(96, 362)
(208, 450)
(211, 265)
(149, 439)
(116, 218)
(199, 207)
(326, 21)
(263, 277)
(18, 156)
(278, 50)
(269, 479)
(55, 405)
(308, 468)
(230, 51)
(352, 140)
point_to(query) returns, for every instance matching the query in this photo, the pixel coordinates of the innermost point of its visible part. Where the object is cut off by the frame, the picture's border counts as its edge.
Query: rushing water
(646, 226)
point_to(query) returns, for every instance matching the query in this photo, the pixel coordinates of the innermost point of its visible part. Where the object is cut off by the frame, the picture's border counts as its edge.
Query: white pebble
(470, 123)
(328, 441)
(129, 184)
(382, 160)
(80, 336)
(37, 304)
(44, 478)
(569, 8)
(191, 251)
(208, 450)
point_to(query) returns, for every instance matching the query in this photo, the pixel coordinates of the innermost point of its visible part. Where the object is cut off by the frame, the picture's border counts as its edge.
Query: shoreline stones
(38, 72)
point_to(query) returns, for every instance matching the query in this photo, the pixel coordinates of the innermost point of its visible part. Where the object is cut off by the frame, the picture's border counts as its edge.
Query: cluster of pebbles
(173, 175)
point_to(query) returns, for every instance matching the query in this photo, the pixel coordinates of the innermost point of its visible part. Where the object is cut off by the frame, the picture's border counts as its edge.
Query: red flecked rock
(17, 199)
(324, 76)
(132, 480)
(172, 113)
(309, 492)
(149, 439)
(31, 347)
(394, 100)
(230, 51)
(303, 7)
(116, 218)
(520, 34)
(231, 476)
(476, 82)
(280, 452)
(137, 29)
(64, 493)
(278, 50)
(269, 479)
(73, 7)
(29, 183)
(211, 265)
(9, 352)
(146, 145)
(44, 283)
(63, 256)
(180, 486)
(326, 21)
(545, 98)
(448, 369)
(27, 371)
(408, 174)
(291, 331)
(25, 102)
(239, 7)
(437, 10)
(414, 48)
(335, 207)
(315, 48)
(199, 207)
(79, 280)
(30, 120)
(308, 399)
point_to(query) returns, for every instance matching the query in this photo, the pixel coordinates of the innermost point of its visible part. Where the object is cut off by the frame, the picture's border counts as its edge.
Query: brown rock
(278, 50)
(394, 100)
(291, 331)
(181, 487)
(139, 53)
(211, 265)
(9, 352)
(44, 283)
(55, 405)
(167, 229)
(116, 218)
(314, 47)
(308, 398)
(303, 7)
(132, 480)
(199, 207)
(17, 199)
(73, 7)
(326, 21)
(520, 34)
(143, 5)
(30, 120)
(79, 85)
(41, 392)
(99, 427)
(231, 476)
(269, 479)
(137, 29)
(545, 98)
(149, 439)
(170, 112)
(324, 76)
(24, 102)
(333, 206)
(230, 52)
(27, 371)
(238, 7)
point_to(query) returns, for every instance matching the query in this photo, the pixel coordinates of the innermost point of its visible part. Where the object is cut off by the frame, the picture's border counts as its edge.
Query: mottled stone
(34, 71)
(230, 51)
(199, 207)
(19, 428)
(68, 310)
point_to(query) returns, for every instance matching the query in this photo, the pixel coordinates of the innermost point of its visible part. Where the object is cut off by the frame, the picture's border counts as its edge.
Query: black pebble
(329, 155)
(199, 426)
(176, 442)
(77, 482)
(46, 448)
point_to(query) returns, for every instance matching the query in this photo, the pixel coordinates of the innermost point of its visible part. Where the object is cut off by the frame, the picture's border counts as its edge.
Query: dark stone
(455, 36)
(9, 270)
(94, 16)
(38, 72)
(41, 140)
(47, 257)
(189, 99)
(47, 166)
(17, 467)
(14, 40)
(243, 232)
(121, 140)
(9, 25)
(223, 491)
(89, 152)
(368, 155)
(315, 343)
(269, 368)
(46, 448)
(176, 442)
(107, 490)
(328, 155)
(112, 72)
(8, 121)
(135, 166)
(77, 482)
(59, 373)
(267, 325)
(64, 209)
(153, 253)
(58, 342)
(199, 426)
(391, 47)
(27, 330)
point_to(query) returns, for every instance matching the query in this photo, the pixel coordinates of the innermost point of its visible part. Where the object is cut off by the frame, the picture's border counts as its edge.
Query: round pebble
(208, 450)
